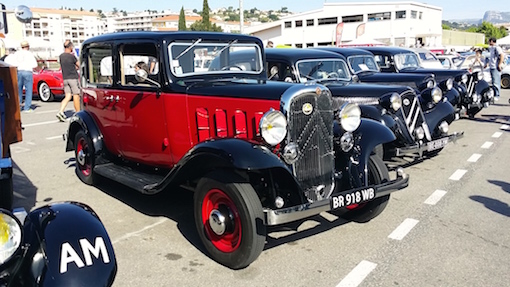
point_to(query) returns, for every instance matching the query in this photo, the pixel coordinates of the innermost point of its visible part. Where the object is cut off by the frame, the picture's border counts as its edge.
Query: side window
(99, 67)
(277, 71)
(382, 61)
(133, 57)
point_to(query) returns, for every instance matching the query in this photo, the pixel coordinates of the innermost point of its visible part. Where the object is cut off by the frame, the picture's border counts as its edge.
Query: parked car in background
(427, 58)
(452, 62)
(505, 77)
(255, 153)
(475, 92)
(47, 84)
(417, 130)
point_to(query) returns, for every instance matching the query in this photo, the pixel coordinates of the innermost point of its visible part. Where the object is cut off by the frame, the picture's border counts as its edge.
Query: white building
(171, 23)
(136, 21)
(393, 23)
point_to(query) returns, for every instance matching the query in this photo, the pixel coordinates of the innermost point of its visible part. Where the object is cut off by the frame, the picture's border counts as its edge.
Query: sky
(452, 9)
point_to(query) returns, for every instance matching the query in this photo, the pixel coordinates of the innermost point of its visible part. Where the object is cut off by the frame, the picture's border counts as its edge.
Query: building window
(352, 18)
(299, 45)
(309, 22)
(299, 23)
(414, 14)
(288, 24)
(308, 45)
(379, 16)
(421, 15)
(327, 21)
(400, 15)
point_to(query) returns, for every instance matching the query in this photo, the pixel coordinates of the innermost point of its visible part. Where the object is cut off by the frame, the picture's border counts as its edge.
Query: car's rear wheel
(45, 93)
(84, 154)
(377, 174)
(229, 219)
(505, 81)
(6, 193)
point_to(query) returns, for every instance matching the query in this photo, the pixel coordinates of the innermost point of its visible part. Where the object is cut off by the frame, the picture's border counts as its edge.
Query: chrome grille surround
(413, 114)
(312, 131)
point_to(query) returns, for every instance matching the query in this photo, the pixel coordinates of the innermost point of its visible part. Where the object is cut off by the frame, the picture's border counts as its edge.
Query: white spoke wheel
(229, 219)
(44, 92)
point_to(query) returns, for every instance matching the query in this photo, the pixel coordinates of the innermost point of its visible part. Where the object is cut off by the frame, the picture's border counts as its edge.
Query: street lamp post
(241, 16)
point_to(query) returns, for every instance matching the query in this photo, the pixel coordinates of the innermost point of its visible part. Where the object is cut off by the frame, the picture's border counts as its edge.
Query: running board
(132, 178)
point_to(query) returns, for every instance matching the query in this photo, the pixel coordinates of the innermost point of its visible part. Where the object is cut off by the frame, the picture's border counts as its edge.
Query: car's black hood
(405, 79)
(441, 74)
(361, 90)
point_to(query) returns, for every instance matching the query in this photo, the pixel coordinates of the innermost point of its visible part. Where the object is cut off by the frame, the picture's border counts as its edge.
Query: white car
(427, 59)
(505, 77)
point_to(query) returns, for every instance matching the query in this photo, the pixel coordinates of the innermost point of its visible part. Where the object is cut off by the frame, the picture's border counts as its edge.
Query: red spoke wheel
(364, 212)
(84, 154)
(229, 219)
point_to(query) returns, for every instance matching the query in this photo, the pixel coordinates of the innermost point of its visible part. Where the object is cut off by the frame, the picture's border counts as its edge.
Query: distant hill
(496, 17)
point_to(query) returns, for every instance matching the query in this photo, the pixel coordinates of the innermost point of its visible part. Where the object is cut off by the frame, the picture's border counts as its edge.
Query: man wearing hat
(25, 61)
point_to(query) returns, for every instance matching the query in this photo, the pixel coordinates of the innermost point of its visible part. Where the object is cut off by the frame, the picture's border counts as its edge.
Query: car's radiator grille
(413, 115)
(310, 119)
(470, 86)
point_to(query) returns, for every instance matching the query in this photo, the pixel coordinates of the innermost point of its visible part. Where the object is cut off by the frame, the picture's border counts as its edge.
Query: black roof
(347, 52)
(172, 36)
(295, 54)
(385, 50)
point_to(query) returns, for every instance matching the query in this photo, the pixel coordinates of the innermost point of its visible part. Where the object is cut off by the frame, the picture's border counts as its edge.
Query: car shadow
(493, 204)
(491, 118)
(25, 192)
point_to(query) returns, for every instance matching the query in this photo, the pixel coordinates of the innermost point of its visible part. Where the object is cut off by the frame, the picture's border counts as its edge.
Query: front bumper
(421, 147)
(293, 213)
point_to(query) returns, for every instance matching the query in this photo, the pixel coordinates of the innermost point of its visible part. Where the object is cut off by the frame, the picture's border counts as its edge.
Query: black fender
(374, 113)
(442, 111)
(453, 95)
(228, 153)
(82, 120)
(67, 245)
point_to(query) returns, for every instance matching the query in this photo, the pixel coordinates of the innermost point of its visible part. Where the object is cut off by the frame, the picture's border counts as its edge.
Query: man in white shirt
(25, 61)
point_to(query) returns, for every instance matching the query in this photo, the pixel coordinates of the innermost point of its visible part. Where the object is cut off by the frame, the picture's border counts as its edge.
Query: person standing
(25, 61)
(495, 63)
(69, 65)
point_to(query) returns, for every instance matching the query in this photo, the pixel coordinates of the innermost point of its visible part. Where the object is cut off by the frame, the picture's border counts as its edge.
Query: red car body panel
(52, 78)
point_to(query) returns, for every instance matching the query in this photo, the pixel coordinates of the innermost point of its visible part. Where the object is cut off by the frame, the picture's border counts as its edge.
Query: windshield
(197, 57)
(407, 60)
(311, 70)
(363, 63)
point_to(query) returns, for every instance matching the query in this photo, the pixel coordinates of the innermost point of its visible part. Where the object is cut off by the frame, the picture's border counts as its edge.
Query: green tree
(446, 27)
(182, 20)
(204, 24)
(489, 30)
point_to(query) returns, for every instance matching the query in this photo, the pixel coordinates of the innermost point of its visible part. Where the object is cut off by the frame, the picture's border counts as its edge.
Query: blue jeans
(25, 78)
(496, 80)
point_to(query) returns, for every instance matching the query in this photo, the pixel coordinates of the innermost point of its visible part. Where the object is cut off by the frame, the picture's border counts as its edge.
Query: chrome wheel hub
(81, 157)
(217, 222)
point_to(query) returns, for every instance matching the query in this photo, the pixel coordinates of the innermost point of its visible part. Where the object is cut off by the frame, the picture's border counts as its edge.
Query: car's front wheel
(84, 154)
(45, 93)
(505, 81)
(229, 219)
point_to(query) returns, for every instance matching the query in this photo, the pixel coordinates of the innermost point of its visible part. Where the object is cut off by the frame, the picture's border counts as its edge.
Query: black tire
(84, 154)
(44, 92)
(240, 238)
(377, 174)
(6, 193)
(505, 81)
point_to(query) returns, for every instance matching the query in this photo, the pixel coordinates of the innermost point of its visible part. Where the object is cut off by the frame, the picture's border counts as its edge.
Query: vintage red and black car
(474, 91)
(420, 122)
(255, 153)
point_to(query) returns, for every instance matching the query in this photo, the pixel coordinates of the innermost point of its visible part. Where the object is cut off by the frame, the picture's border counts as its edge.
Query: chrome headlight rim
(449, 84)
(273, 127)
(395, 101)
(350, 116)
(11, 236)
(431, 84)
(347, 141)
(436, 95)
(464, 78)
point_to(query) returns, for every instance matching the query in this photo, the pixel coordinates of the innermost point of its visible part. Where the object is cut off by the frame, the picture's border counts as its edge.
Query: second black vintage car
(475, 93)
(420, 123)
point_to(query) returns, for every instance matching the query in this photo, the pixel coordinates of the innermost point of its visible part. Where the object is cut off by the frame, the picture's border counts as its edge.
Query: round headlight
(273, 127)
(464, 78)
(437, 95)
(10, 236)
(430, 84)
(475, 98)
(443, 127)
(449, 84)
(489, 94)
(419, 133)
(479, 75)
(396, 102)
(350, 116)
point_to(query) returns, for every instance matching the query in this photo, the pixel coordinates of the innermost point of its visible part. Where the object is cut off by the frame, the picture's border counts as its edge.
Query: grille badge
(406, 102)
(307, 109)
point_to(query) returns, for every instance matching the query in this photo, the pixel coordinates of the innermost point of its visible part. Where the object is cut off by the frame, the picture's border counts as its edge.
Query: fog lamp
(419, 133)
(279, 202)
(347, 142)
(443, 127)
(290, 153)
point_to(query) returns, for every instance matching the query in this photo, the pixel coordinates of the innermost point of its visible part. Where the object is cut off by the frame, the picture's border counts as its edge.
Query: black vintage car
(475, 93)
(420, 123)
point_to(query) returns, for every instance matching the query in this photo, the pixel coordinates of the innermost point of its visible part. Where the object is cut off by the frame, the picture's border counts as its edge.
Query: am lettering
(69, 255)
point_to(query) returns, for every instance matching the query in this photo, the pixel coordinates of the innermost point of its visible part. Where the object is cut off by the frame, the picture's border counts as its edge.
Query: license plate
(354, 197)
(437, 144)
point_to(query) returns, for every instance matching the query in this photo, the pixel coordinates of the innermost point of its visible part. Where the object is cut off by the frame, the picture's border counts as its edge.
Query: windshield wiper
(189, 48)
(227, 46)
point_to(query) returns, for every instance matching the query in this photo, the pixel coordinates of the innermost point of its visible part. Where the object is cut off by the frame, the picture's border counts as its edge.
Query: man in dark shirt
(69, 65)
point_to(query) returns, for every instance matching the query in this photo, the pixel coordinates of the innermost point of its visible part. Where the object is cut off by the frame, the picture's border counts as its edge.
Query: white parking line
(40, 124)
(505, 127)
(134, 233)
(487, 145)
(497, 134)
(401, 231)
(475, 157)
(358, 274)
(54, 138)
(435, 197)
(458, 174)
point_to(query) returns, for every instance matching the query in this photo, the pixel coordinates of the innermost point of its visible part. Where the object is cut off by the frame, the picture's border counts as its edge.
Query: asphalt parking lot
(448, 228)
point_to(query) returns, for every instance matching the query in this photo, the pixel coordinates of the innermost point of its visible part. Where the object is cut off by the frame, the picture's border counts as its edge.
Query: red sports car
(48, 81)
